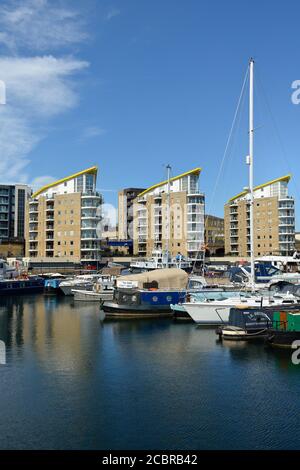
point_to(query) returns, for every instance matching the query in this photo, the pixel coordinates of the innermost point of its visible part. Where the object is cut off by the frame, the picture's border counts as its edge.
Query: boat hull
(282, 339)
(115, 310)
(210, 315)
(67, 289)
(90, 296)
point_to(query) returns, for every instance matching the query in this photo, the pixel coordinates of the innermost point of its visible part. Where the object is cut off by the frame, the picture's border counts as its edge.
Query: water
(74, 382)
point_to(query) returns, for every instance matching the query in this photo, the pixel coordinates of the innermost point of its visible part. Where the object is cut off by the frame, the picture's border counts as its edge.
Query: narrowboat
(147, 295)
(246, 324)
(21, 286)
(285, 329)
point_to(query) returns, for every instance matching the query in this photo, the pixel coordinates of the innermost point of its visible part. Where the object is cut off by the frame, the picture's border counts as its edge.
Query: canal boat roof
(168, 278)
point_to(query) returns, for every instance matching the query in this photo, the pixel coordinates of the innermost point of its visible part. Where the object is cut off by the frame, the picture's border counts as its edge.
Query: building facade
(170, 220)
(214, 235)
(274, 221)
(63, 219)
(125, 211)
(13, 200)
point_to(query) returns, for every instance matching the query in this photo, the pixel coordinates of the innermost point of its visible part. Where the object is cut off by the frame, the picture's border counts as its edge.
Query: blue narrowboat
(21, 286)
(147, 295)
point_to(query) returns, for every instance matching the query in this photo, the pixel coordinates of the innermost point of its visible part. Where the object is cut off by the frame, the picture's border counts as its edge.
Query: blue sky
(133, 85)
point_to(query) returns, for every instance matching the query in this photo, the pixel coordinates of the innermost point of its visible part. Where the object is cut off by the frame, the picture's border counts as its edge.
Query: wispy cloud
(38, 24)
(40, 181)
(112, 13)
(92, 131)
(38, 87)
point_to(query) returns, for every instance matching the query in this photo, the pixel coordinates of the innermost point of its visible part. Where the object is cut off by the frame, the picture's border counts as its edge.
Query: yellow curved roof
(92, 170)
(195, 171)
(276, 180)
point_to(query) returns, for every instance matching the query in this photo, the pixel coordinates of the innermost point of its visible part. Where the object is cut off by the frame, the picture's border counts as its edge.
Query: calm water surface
(73, 381)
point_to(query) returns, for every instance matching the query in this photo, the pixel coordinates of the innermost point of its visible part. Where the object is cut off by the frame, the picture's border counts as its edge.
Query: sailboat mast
(168, 213)
(250, 162)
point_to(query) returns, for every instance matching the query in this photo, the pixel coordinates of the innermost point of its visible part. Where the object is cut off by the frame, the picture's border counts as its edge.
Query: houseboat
(147, 294)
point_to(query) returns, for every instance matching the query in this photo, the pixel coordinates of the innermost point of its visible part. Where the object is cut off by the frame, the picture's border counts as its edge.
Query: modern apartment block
(63, 218)
(125, 211)
(170, 220)
(274, 221)
(214, 235)
(12, 212)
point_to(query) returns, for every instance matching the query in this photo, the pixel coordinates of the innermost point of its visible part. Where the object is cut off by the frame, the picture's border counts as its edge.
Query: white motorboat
(85, 281)
(161, 260)
(92, 296)
(216, 312)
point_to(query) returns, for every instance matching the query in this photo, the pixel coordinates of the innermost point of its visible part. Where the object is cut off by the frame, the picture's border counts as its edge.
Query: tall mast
(250, 163)
(168, 213)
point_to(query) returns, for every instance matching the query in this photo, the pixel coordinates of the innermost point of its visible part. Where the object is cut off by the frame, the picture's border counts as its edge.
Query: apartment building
(214, 235)
(274, 221)
(170, 217)
(63, 218)
(125, 211)
(12, 217)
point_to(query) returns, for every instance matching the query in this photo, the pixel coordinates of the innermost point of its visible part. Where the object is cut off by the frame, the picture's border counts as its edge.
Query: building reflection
(62, 336)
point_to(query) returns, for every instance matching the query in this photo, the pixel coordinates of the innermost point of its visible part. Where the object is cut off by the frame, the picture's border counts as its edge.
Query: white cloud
(39, 25)
(41, 181)
(40, 84)
(93, 131)
(38, 88)
(112, 13)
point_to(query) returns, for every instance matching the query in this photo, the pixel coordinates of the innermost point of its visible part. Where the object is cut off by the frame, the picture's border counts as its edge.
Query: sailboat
(215, 312)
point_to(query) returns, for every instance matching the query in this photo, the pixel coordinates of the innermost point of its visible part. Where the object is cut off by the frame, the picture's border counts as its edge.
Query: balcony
(92, 195)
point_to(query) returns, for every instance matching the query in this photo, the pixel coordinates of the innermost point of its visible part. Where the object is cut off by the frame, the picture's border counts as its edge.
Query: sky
(134, 85)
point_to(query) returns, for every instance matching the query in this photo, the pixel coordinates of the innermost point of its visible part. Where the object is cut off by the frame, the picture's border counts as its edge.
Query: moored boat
(285, 329)
(30, 285)
(246, 324)
(78, 282)
(216, 312)
(148, 294)
(92, 296)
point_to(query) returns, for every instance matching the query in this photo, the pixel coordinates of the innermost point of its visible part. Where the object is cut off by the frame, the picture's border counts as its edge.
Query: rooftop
(92, 170)
(277, 180)
(195, 171)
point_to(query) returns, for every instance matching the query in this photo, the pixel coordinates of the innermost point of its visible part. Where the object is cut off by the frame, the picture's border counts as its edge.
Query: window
(58, 243)
(71, 253)
(65, 183)
(71, 242)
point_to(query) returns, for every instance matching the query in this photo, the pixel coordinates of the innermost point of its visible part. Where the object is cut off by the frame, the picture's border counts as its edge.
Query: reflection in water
(73, 380)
